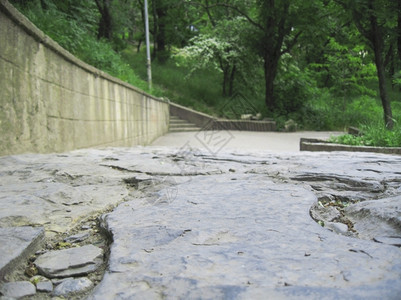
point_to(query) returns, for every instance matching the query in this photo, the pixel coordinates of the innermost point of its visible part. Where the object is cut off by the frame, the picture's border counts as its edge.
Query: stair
(179, 125)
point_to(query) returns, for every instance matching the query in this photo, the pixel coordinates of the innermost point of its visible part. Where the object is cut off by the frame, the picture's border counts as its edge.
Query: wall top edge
(42, 38)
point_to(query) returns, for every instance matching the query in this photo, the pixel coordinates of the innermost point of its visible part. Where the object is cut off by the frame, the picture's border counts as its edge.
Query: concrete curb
(321, 145)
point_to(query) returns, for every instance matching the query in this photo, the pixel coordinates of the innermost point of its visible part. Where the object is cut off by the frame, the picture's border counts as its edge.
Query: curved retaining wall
(50, 101)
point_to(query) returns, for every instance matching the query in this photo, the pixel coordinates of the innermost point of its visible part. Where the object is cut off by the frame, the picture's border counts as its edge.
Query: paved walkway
(241, 140)
(215, 220)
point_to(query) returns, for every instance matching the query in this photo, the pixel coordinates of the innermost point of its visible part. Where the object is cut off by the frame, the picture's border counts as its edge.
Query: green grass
(374, 133)
(200, 91)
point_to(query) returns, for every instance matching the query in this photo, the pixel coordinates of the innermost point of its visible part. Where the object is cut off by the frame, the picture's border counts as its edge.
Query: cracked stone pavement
(189, 224)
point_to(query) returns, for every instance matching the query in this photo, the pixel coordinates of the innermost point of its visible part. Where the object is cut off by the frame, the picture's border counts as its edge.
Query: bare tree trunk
(378, 47)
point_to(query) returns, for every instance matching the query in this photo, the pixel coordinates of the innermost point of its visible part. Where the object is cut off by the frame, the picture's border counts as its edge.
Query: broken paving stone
(73, 286)
(17, 289)
(70, 262)
(389, 240)
(57, 281)
(44, 286)
(328, 213)
(17, 243)
(76, 238)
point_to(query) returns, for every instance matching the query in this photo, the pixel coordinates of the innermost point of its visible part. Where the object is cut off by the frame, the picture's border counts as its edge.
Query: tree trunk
(159, 29)
(43, 4)
(270, 70)
(378, 46)
(138, 47)
(232, 77)
(389, 63)
(105, 22)
(399, 30)
(388, 117)
(224, 82)
(161, 33)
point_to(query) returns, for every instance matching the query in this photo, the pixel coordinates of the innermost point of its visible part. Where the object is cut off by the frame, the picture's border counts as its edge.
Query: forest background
(326, 64)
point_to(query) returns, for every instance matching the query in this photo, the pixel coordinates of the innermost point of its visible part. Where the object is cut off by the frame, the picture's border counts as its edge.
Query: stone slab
(17, 289)
(72, 286)
(200, 224)
(45, 286)
(56, 191)
(70, 262)
(16, 244)
(240, 236)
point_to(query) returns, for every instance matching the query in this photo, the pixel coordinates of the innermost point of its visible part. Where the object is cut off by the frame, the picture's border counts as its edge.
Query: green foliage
(200, 91)
(294, 87)
(397, 79)
(221, 48)
(68, 31)
(324, 79)
(204, 52)
(373, 135)
(347, 70)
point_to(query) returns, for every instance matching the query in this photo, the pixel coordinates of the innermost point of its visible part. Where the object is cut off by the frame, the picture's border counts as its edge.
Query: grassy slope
(200, 92)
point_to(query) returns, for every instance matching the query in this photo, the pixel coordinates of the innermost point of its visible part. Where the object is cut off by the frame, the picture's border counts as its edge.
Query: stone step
(184, 129)
(179, 125)
(183, 125)
(178, 122)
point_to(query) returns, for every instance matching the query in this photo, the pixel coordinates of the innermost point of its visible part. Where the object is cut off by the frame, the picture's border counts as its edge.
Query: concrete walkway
(241, 140)
(214, 215)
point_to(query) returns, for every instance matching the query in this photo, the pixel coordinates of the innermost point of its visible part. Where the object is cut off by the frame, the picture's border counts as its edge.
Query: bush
(373, 135)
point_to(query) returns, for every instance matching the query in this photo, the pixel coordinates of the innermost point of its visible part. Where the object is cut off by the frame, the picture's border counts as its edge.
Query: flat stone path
(241, 140)
(213, 223)
(238, 227)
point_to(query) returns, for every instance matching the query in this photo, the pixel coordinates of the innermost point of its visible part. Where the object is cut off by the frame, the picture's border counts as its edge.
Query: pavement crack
(360, 251)
(117, 168)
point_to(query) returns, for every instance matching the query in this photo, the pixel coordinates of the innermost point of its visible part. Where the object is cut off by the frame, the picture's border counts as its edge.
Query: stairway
(179, 125)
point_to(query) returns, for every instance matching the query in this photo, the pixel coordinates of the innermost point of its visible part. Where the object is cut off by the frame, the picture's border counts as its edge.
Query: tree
(160, 12)
(276, 28)
(399, 29)
(373, 18)
(222, 49)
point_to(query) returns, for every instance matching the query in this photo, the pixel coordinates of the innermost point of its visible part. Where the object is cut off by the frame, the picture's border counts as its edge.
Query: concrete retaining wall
(207, 122)
(51, 101)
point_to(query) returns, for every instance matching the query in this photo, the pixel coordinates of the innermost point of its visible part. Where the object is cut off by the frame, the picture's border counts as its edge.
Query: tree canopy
(282, 49)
